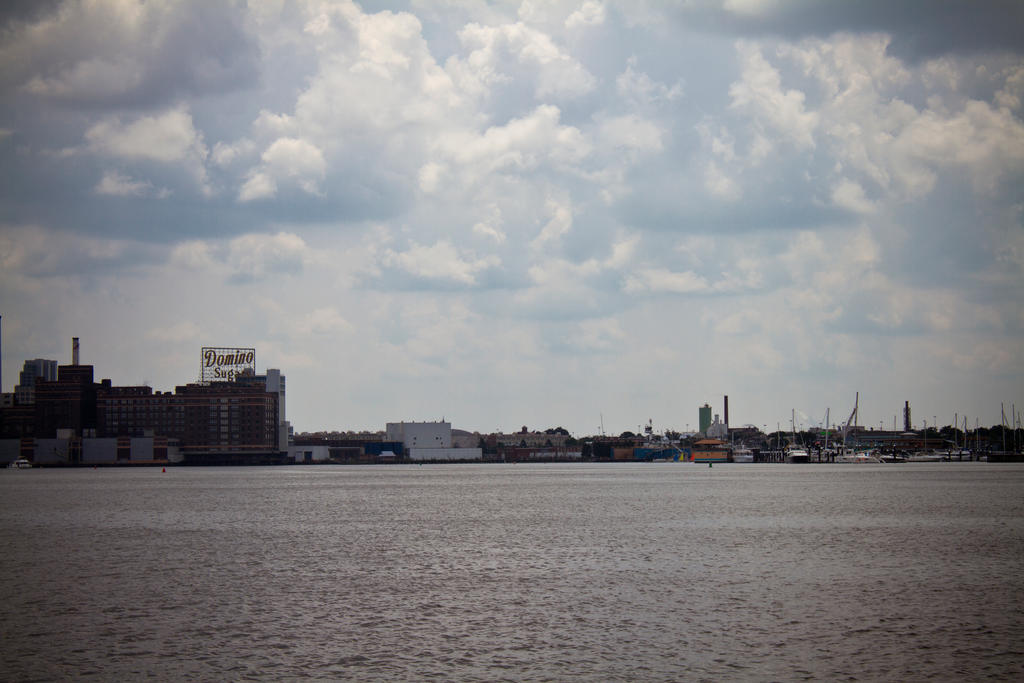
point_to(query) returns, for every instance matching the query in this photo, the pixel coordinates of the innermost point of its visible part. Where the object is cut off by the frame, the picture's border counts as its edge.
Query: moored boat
(925, 456)
(864, 457)
(742, 454)
(797, 455)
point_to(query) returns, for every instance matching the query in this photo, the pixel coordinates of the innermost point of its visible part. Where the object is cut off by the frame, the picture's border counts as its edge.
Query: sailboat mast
(1013, 419)
(1002, 413)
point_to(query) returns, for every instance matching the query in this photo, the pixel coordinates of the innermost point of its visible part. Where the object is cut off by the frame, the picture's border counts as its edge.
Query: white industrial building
(308, 454)
(718, 430)
(420, 434)
(429, 442)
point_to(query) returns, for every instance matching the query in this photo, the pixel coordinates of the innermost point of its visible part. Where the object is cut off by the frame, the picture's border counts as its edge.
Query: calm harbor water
(658, 572)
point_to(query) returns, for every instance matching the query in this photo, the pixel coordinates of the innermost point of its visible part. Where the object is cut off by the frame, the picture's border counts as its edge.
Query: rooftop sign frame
(224, 363)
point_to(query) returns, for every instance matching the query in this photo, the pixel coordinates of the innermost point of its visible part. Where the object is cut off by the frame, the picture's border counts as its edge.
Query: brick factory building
(236, 421)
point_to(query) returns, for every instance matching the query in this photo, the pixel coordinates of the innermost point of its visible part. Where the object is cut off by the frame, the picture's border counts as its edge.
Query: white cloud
(486, 193)
(256, 256)
(557, 74)
(181, 332)
(325, 321)
(597, 335)
(899, 147)
(590, 13)
(441, 262)
(861, 249)
(657, 280)
(258, 185)
(1012, 92)
(642, 90)
(225, 154)
(564, 289)
(28, 252)
(168, 138)
(720, 185)
(558, 225)
(751, 7)
(192, 255)
(375, 73)
(487, 230)
(490, 227)
(294, 160)
(98, 77)
(988, 142)
(760, 92)
(522, 144)
(430, 176)
(632, 132)
(273, 126)
(115, 184)
(110, 53)
(850, 195)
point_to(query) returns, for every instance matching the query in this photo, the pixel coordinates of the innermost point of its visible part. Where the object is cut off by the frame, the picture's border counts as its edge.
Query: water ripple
(525, 573)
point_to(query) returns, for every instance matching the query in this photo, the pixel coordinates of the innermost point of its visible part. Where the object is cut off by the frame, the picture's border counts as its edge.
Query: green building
(705, 418)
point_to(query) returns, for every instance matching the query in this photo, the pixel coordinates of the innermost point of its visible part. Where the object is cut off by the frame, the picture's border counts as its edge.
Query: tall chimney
(727, 411)
(74, 350)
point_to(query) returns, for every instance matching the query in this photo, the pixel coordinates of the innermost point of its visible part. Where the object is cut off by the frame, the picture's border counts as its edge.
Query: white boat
(20, 464)
(858, 458)
(797, 455)
(925, 456)
(742, 454)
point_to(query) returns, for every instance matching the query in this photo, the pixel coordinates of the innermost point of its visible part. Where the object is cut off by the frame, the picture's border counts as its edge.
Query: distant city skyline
(797, 419)
(513, 212)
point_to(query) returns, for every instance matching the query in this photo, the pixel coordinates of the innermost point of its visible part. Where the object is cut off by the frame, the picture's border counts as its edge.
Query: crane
(851, 420)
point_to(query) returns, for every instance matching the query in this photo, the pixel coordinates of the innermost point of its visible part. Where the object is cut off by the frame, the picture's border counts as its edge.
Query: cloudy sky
(536, 212)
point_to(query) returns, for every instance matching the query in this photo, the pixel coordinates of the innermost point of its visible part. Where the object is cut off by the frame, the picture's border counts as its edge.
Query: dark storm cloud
(84, 57)
(13, 12)
(27, 198)
(920, 29)
(206, 51)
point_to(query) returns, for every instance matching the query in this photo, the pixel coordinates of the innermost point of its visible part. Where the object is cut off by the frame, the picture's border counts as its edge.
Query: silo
(705, 418)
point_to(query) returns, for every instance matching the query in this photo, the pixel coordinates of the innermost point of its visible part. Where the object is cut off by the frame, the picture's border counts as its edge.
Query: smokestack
(727, 411)
(906, 416)
(74, 350)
